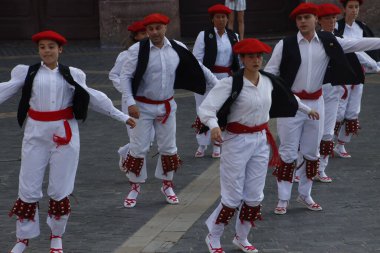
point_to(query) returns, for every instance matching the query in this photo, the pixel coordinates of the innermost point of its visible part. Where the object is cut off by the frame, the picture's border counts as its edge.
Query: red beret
(49, 35)
(345, 1)
(328, 9)
(156, 18)
(304, 8)
(219, 8)
(136, 27)
(251, 46)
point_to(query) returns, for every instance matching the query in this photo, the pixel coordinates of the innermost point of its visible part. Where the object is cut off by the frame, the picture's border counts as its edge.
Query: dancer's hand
(134, 111)
(131, 122)
(216, 135)
(313, 115)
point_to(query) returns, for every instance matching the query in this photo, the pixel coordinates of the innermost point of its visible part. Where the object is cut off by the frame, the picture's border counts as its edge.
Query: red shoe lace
(24, 241)
(135, 187)
(166, 184)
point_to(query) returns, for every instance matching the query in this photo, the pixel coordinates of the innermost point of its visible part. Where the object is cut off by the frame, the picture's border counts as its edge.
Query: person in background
(54, 96)
(213, 47)
(238, 6)
(327, 16)
(137, 33)
(323, 61)
(347, 123)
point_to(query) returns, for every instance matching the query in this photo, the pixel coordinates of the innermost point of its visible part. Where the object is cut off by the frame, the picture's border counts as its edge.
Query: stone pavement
(99, 223)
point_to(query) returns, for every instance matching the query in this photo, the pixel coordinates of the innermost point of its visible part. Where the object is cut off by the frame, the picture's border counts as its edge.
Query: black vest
(338, 70)
(211, 49)
(284, 104)
(80, 100)
(189, 74)
(367, 32)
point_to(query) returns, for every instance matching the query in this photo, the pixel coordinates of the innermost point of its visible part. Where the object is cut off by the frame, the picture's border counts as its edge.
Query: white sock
(215, 241)
(18, 248)
(216, 149)
(322, 174)
(309, 200)
(169, 191)
(56, 243)
(282, 203)
(202, 148)
(133, 193)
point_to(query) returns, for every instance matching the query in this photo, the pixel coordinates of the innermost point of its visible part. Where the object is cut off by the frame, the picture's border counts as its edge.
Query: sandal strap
(53, 250)
(24, 241)
(55, 236)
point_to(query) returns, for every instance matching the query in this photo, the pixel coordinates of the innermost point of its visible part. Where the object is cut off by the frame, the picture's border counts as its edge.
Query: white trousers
(205, 138)
(331, 97)
(38, 152)
(151, 117)
(243, 169)
(349, 108)
(303, 134)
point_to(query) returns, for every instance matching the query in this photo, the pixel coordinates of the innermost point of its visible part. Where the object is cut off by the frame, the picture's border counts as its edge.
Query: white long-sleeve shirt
(158, 80)
(251, 108)
(115, 72)
(314, 60)
(224, 54)
(51, 92)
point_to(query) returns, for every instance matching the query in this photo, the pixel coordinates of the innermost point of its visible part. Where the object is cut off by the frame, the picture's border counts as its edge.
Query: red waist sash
(237, 128)
(64, 114)
(155, 102)
(220, 69)
(309, 96)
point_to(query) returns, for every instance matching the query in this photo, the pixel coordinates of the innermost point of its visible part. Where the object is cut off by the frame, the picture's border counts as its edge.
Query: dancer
(137, 33)
(349, 108)
(153, 69)
(213, 48)
(323, 61)
(244, 162)
(54, 97)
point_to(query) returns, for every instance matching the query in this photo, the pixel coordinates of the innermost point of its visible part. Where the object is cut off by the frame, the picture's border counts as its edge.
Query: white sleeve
(369, 64)
(127, 73)
(214, 101)
(357, 45)
(114, 74)
(10, 88)
(199, 47)
(302, 107)
(274, 62)
(99, 101)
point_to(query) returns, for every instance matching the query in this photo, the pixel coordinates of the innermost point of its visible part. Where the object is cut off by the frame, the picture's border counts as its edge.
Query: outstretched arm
(357, 45)
(10, 88)
(99, 101)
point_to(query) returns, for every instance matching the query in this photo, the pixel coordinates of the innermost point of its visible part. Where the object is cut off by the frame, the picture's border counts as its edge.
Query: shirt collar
(300, 37)
(216, 30)
(43, 65)
(166, 43)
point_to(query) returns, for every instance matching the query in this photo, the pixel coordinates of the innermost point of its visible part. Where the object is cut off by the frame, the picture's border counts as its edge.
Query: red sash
(155, 102)
(64, 114)
(220, 69)
(237, 128)
(309, 96)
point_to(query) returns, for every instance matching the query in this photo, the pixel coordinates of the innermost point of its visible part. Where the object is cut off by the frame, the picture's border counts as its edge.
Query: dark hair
(130, 40)
(346, 2)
